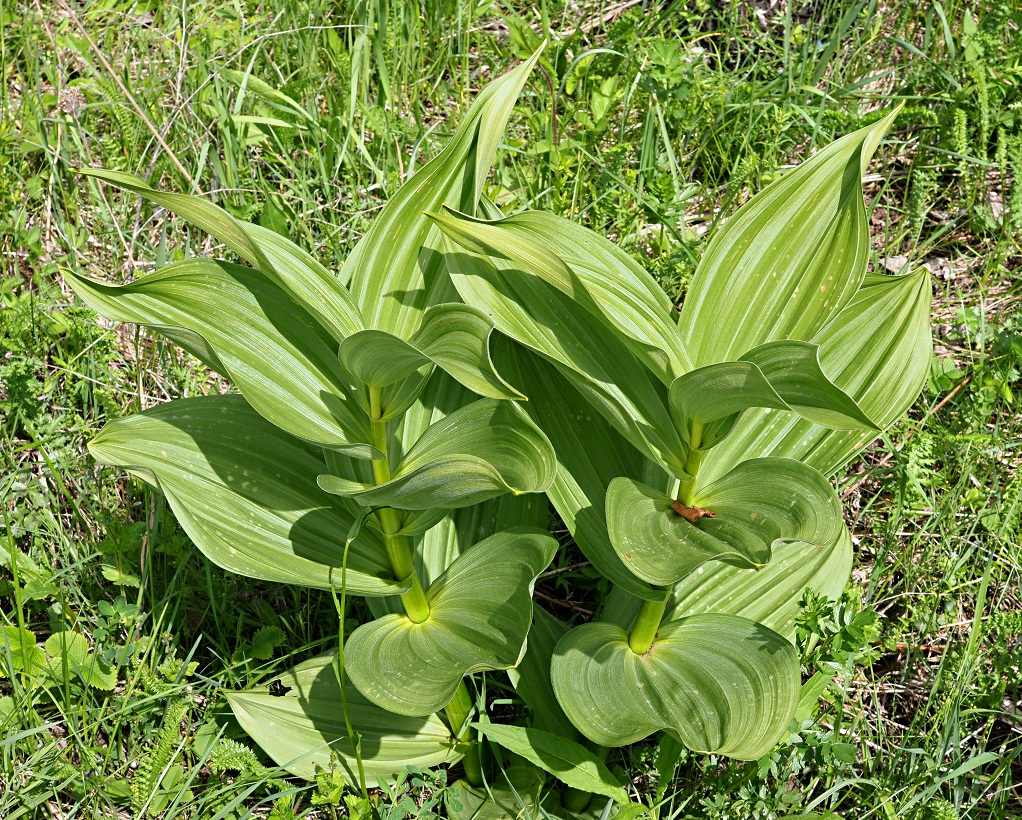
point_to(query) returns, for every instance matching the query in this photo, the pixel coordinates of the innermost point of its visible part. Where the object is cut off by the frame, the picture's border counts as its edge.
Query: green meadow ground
(648, 122)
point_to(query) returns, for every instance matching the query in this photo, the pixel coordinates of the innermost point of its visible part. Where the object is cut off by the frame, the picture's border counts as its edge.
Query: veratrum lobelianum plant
(694, 449)
(356, 457)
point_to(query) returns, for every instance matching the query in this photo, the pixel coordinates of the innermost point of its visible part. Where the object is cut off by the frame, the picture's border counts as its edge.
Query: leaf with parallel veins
(740, 516)
(246, 494)
(877, 350)
(718, 683)
(304, 730)
(784, 375)
(275, 352)
(396, 270)
(480, 610)
(478, 452)
(279, 259)
(789, 260)
(587, 268)
(454, 337)
(769, 594)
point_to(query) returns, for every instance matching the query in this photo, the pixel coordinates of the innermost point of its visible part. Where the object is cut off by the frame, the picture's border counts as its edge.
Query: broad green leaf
(793, 370)
(463, 527)
(476, 453)
(459, 529)
(480, 613)
(720, 684)
(469, 525)
(531, 678)
(591, 270)
(283, 362)
(378, 358)
(789, 260)
(246, 494)
(279, 259)
(67, 644)
(571, 763)
(589, 456)
(781, 375)
(768, 595)
(457, 338)
(658, 544)
(747, 512)
(396, 270)
(877, 350)
(596, 361)
(304, 729)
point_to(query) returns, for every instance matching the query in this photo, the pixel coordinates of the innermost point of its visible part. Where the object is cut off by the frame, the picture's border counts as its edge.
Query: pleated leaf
(459, 529)
(304, 731)
(789, 260)
(396, 270)
(279, 259)
(246, 493)
(480, 613)
(744, 514)
(659, 544)
(591, 270)
(589, 456)
(595, 360)
(781, 375)
(476, 453)
(768, 595)
(718, 683)
(282, 360)
(378, 358)
(455, 337)
(877, 350)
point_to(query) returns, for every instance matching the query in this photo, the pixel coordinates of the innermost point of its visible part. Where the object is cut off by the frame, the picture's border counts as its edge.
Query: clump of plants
(386, 442)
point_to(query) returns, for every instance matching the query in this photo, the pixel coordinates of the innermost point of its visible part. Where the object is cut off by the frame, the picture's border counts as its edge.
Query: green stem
(458, 712)
(414, 601)
(647, 622)
(686, 491)
(399, 551)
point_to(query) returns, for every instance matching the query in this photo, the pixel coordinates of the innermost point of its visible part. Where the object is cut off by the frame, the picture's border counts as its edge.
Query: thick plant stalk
(647, 622)
(414, 600)
(695, 457)
(458, 712)
(398, 550)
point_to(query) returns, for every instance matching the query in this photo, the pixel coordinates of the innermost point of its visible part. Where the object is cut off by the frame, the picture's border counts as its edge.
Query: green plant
(356, 458)
(704, 500)
(693, 449)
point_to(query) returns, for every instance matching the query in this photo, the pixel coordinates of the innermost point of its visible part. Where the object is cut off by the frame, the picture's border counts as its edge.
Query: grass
(648, 122)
